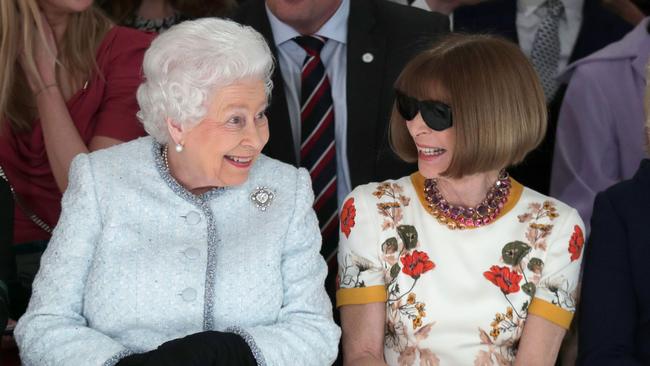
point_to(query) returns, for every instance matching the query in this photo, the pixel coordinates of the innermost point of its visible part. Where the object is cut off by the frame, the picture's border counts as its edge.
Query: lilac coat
(600, 136)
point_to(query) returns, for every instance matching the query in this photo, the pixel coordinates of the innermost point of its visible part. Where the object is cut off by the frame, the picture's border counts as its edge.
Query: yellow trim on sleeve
(361, 295)
(550, 312)
(513, 197)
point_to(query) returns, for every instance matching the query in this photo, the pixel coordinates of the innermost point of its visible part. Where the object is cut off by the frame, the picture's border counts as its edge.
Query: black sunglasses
(437, 115)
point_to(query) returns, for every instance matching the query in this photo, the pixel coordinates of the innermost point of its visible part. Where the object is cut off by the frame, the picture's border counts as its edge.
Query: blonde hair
(497, 103)
(19, 21)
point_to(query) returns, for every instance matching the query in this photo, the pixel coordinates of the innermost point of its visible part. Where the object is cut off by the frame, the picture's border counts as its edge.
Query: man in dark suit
(596, 28)
(367, 43)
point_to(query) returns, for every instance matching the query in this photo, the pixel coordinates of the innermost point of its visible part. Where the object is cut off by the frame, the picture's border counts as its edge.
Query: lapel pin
(367, 57)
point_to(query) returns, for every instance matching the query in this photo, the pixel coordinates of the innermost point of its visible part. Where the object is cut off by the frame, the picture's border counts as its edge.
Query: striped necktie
(545, 55)
(318, 149)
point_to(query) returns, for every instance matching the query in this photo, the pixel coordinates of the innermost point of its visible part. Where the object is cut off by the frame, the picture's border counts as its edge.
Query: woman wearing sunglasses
(459, 264)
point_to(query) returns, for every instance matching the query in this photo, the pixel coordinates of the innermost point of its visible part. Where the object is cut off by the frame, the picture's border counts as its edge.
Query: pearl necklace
(461, 217)
(164, 156)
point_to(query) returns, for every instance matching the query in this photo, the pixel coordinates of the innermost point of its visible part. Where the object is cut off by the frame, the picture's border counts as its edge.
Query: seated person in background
(67, 86)
(600, 137)
(615, 297)
(187, 247)
(159, 15)
(458, 263)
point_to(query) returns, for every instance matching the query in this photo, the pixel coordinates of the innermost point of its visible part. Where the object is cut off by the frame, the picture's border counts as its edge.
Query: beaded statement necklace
(460, 217)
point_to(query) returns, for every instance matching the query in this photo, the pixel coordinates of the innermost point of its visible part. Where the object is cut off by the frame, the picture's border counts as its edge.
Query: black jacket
(615, 301)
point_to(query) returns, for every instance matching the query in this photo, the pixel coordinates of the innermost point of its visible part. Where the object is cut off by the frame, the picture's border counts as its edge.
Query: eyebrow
(243, 106)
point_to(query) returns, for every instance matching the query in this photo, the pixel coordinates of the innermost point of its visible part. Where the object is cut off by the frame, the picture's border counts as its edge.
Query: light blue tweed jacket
(136, 260)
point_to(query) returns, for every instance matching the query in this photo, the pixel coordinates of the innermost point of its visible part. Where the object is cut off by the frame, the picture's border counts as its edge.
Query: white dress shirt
(334, 56)
(530, 14)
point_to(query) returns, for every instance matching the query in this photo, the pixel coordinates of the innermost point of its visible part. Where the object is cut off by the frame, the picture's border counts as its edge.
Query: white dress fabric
(457, 297)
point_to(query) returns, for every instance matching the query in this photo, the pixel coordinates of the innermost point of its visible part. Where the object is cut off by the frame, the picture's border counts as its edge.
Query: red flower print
(506, 280)
(348, 212)
(576, 243)
(416, 264)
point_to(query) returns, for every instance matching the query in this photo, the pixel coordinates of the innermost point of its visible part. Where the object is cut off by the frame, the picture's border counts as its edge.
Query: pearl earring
(179, 147)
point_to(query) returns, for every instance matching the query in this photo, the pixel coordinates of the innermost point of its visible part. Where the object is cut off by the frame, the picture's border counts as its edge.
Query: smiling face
(223, 146)
(435, 148)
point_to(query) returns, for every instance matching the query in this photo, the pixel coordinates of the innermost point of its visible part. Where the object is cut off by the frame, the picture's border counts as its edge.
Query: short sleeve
(360, 278)
(556, 295)
(116, 117)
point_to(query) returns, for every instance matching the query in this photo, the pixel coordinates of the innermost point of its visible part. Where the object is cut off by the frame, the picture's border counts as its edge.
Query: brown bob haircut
(497, 102)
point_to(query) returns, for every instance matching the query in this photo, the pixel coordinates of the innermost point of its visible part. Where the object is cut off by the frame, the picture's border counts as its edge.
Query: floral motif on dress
(391, 211)
(506, 280)
(348, 213)
(518, 259)
(406, 318)
(576, 243)
(564, 297)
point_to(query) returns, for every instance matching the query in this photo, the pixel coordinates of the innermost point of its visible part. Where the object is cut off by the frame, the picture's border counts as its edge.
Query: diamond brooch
(262, 197)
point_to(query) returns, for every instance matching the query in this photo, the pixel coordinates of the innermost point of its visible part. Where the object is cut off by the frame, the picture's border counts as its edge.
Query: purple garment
(601, 135)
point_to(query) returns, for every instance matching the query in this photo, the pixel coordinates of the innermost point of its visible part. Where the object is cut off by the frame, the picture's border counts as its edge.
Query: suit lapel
(581, 47)
(366, 57)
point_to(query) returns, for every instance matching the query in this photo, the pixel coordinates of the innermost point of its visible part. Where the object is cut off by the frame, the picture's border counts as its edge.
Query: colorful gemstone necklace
(460, 217)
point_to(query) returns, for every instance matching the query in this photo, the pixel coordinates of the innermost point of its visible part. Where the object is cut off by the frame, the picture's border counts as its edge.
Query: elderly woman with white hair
(187, 247)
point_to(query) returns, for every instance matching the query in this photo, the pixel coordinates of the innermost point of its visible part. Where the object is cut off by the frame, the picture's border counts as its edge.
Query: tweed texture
(136, 261)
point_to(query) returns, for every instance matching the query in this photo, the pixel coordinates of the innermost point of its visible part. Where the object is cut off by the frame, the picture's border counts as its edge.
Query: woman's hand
(42, 64)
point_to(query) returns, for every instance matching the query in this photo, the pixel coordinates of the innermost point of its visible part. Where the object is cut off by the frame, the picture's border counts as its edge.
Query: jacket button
(192, 253)
(189, 294)
(192, 218)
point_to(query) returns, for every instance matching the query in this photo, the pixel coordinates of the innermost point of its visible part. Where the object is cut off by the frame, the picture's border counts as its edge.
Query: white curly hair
(188, 63)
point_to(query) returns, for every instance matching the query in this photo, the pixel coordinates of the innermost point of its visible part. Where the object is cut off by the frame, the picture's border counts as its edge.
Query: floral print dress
(457, 297)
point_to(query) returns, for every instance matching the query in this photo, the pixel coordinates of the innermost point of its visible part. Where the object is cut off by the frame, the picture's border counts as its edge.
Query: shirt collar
(528, 7)
(421, 4)
(336, 27)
